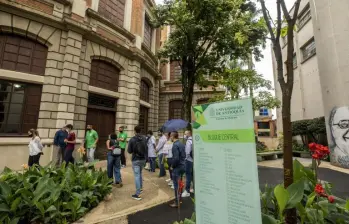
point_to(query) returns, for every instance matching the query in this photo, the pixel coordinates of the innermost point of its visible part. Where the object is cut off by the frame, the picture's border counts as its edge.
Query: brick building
(78, 62)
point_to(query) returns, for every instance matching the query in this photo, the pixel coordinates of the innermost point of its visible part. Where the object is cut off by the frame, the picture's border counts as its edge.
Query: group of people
(144, 150)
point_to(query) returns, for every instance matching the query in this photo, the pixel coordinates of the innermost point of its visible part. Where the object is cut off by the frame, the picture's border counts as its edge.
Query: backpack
(140, 148)
(115, 146)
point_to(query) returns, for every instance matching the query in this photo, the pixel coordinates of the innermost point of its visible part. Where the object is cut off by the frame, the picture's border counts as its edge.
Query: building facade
(81, 62)
(321, 78)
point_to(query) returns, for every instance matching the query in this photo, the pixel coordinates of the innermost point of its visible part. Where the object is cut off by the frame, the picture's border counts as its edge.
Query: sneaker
(173, 205)
(168, 180)
(185, 194)
(136, 197)
(170, 183)
(172, 187)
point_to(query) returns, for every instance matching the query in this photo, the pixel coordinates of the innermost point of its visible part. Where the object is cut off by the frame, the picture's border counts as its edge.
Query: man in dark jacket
(178, 165)
(137, 146)
(60, 145)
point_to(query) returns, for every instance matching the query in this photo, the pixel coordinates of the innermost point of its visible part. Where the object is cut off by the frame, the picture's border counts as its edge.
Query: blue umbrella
(174, 125)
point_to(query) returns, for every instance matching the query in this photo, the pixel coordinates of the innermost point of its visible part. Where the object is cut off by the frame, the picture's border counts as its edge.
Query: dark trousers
(162, 166)
(68, 156)
(169, 163)
(177, 175)
(152, 162)
(123, 157)
(34, 160)
(188, 174)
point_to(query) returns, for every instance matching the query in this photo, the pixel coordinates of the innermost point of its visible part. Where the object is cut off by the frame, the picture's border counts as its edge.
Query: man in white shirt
(189, 162)
(159, 150)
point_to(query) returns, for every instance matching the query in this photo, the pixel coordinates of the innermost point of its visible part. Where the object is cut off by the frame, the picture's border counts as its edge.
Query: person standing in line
(113, 159)
(168, 153)
(159, 150)
(69, 149)
(35, 148)
(91, 140)
(122, 138)
(178, 165)
(151, 151)
(60, 145)
(137, 146)
(188, 163)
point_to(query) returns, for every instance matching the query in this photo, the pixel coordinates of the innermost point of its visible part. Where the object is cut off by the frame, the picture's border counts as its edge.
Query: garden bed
(269, 155)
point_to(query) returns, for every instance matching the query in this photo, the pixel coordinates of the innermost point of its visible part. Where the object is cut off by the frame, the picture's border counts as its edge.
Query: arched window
(144, 91)
(104, 75)
(22, 55)
(19, 101)
(175, 109)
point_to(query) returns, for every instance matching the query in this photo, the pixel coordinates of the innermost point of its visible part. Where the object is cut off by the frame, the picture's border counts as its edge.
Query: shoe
(136, 197)
(172, 187)
(170, 183)
(192, 191)
(173, 205)
(185, 194)
(168, 180)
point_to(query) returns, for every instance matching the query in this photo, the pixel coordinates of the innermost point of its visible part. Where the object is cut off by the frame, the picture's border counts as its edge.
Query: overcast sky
(264, 66)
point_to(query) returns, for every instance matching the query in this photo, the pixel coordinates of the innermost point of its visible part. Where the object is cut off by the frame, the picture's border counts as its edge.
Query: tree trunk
(188, 82)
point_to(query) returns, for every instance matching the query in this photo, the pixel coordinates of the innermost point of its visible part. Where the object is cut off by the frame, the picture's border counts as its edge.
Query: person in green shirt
(91, 140)
(122, 138)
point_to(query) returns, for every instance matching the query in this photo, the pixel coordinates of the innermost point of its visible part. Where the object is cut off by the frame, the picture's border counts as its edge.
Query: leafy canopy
(207, 33)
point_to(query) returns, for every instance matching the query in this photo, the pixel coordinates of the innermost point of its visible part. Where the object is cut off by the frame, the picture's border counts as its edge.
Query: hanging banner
(225, 164)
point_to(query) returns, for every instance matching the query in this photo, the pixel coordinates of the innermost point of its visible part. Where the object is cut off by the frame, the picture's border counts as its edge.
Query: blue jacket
(59, 138)
(178, 151)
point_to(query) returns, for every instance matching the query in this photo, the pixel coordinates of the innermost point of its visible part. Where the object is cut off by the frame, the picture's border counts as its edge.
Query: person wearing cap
(60, 145)
(122, 138)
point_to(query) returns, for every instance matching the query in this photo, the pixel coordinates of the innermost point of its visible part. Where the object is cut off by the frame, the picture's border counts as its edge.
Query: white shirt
(161, 143)
(35, 146)
(168, 149)
(151, 148)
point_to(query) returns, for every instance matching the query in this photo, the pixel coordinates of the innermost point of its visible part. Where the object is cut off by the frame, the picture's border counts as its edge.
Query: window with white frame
(263, 112)
(309, 49)
(304, 17)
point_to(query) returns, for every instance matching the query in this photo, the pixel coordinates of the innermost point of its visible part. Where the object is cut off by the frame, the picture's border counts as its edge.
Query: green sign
(225, 164)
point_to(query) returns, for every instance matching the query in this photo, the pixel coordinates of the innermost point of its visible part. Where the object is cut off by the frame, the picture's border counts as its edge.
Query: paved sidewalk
(120, 204)
(305, 161)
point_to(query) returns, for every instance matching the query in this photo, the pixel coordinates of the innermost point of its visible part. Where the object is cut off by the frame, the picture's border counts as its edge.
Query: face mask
(185, 137)
(88, 129)
(30, 135)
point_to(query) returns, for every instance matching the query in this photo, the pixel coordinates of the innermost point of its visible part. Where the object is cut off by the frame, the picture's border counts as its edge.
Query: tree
(284, 26)
(204, 35)
(238, 81)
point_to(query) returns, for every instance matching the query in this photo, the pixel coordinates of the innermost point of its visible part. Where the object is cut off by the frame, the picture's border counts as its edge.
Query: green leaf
(40, 207)
(15, 204)
(4, 208)
(310, 199)
(14, 220)
(315, 216)
(266, 219)
(5, 189)
(51, 208)
(282, 196)
(347, 205)
(302, 212)
(297, 170)
(295, 191)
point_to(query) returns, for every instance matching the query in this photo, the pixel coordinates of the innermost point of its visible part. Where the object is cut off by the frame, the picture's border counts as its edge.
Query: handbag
(116, 152)
(116, 149)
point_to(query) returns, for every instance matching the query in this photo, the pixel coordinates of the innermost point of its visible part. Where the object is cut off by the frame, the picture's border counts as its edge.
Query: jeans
(59, 155)
(137, 167)
(68, 156)
(177, 175)
(91, 154)
(34, 160)
(123, 157)
(188, 174)
(162, 166)
(169, 163)
(152, 162)
(113, 167)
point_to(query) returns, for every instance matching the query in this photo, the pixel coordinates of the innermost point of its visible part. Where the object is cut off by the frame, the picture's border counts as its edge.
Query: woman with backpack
(114, 159)
(35, 148)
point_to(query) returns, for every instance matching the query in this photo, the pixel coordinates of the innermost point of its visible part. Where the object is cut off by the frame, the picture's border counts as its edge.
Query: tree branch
(296, 9)
(284, 10)
(267, 21)
(279, 21)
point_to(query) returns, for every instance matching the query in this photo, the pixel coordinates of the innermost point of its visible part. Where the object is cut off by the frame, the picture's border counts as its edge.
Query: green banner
(228, 136)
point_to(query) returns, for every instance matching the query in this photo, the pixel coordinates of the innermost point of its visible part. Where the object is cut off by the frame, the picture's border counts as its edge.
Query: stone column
(331, 28)
(69, 81)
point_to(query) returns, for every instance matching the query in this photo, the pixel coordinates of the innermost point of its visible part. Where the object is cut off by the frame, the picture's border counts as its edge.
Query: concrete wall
(331, 28)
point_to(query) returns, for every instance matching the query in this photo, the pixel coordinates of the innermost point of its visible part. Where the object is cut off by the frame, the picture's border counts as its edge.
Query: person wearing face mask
(122, 138)
(151, 151)
(91, 140)
(178, 165)
(35, 148)
(70, 141)
(188, 163)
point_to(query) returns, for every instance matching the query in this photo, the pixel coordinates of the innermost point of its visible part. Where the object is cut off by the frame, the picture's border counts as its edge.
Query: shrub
(309, 129)
(260, 146)
(51, 195)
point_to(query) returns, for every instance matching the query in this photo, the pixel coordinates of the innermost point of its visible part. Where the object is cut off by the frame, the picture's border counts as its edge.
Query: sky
(264, 66)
